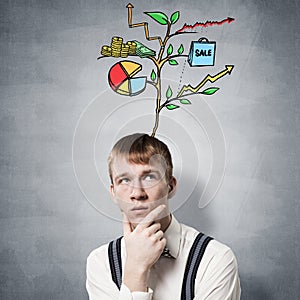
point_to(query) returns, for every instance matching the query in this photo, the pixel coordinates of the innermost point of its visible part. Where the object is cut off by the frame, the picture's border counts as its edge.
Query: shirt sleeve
(220, 280)
(99, 283)
(125, 293)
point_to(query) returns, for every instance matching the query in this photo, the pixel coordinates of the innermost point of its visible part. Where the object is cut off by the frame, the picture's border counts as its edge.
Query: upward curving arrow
(228, 69)
(129, 7)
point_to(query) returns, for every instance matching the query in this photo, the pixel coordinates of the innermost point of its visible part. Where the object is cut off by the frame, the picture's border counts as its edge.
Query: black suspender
(115, 263)
(193, 262)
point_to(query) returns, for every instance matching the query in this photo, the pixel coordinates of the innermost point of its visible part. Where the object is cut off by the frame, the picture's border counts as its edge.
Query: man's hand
(144, 246)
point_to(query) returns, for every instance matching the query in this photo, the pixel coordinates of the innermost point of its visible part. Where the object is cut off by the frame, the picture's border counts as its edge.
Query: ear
(112, 193)
(172, 187)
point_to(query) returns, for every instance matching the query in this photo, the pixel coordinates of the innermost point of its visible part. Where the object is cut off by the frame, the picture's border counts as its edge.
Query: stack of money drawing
(106, 50)
(132, 48)
(116, 46)
(124, 50)
(143, 51)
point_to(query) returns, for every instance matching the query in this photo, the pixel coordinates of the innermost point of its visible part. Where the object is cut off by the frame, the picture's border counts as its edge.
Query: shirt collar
(173, 237)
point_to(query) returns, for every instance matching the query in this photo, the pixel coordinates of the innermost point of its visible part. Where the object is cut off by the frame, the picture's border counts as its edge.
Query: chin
(136, 222)
(137, 219)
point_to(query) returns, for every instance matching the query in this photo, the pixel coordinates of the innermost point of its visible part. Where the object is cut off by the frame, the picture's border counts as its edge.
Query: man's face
(139, 188)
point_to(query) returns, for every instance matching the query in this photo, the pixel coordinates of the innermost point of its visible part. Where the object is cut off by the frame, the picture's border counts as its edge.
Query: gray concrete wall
(50, 219)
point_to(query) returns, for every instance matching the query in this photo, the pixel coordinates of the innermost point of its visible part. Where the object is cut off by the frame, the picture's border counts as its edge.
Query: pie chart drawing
(121, 80)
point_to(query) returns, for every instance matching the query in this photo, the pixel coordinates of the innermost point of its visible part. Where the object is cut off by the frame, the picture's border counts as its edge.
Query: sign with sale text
(202, 53)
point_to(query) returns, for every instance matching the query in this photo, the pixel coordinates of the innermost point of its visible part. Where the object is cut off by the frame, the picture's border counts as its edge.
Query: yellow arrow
(228, 69)
(129, 6)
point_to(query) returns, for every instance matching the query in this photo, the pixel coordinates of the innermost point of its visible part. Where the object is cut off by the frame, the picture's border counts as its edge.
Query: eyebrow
(150, 171)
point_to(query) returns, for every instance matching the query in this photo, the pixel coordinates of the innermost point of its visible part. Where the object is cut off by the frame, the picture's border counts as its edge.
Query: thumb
(126, 225)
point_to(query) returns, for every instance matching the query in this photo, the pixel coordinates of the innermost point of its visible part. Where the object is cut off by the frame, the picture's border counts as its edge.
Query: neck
(165, 222)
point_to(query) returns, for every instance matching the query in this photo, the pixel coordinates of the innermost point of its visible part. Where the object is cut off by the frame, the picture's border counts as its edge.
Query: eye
(150, 176)
(124, 180)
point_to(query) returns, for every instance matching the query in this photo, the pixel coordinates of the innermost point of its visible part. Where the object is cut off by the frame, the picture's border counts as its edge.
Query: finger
(152, 216)
(152, 229)
(126, 225)
(158, 235)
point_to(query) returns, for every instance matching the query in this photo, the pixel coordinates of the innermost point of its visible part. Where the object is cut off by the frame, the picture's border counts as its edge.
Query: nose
(138, 192)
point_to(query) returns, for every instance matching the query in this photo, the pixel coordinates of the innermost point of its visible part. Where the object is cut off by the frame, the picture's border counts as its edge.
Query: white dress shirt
(217, 277)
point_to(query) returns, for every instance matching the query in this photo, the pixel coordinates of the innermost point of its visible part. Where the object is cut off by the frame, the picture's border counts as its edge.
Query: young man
(155, 254)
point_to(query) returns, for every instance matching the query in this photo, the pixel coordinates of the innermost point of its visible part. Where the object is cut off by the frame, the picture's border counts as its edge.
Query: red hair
(139, 148)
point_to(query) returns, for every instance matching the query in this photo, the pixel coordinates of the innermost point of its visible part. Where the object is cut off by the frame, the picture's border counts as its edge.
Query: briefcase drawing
(202, 53)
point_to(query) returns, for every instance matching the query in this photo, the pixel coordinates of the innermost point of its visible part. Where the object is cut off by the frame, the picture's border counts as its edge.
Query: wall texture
(49, 222)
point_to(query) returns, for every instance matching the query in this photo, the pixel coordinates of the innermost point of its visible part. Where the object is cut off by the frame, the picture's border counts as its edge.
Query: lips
(141, 208)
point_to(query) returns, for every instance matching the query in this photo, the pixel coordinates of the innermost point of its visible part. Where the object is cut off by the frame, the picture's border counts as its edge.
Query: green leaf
(173, 62)
(185, 101)
(159, 17)
(180, 49)
(174, 17)
(209, 91)
(172, 106)
(153, 75)
(169, 93)
(170, 49)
